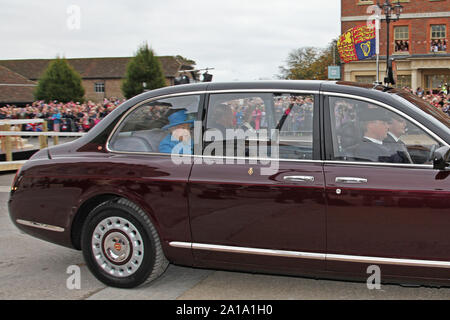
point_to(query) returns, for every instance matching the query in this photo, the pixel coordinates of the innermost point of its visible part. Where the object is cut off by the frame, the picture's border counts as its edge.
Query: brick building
(15, 88)
(101, 77)
(418, 43)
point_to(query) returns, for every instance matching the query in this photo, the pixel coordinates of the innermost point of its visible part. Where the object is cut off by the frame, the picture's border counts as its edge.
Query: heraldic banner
(356, 44)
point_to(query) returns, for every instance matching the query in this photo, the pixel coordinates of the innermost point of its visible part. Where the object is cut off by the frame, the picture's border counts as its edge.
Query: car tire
(121, 246)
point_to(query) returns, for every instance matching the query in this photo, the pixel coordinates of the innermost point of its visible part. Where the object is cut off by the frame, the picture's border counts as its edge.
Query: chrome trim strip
(377, 164)
(220, 157)
(258, 159)
(404, 115)
(179, 244)
(40, 225)
(392, 261)
(225, 91)
(311, 255)
(382, 164)
(263, 252)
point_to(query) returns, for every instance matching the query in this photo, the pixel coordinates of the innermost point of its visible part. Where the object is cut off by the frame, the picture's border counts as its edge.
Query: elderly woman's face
(184, 126)
(181, 132)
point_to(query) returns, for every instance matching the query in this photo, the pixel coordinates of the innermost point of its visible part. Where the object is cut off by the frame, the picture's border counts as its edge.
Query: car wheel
(121, 246)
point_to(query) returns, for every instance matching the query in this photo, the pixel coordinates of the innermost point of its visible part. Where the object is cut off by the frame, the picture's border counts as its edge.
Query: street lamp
(390, 10)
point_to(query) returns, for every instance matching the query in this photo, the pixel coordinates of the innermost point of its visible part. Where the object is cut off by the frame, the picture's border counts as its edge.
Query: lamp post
(389, 11)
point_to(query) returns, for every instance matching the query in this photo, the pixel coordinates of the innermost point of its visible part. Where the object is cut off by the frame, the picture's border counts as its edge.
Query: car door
(268, 213)
(392, 210)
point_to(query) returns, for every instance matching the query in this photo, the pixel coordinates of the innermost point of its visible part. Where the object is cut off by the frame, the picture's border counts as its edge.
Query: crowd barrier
(11, 141)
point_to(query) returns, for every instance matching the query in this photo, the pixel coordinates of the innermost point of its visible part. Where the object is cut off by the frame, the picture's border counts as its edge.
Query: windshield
(432, 111)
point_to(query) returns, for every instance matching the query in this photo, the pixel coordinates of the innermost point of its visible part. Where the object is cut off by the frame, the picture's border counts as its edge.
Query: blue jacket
(167, 145)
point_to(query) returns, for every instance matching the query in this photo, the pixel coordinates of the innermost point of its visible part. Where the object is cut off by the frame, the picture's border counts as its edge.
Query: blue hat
(176, 119)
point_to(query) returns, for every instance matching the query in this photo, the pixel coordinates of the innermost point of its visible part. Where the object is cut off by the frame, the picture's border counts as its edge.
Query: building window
(438, 38)
(365, 79)
(364, 2)
(401, 39)
(99, 87)
(403, 81)
(435, 82)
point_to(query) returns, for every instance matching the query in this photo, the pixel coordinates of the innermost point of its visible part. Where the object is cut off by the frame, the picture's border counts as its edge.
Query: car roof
(310, 85)
(307, 85)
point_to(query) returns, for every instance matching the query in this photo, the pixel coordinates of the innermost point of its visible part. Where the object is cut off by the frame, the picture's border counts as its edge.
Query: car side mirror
(441, 158)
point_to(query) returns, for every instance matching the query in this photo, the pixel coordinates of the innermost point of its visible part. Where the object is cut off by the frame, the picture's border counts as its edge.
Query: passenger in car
(371, 148)
(179, 140)
(397, 128)
(222, 118)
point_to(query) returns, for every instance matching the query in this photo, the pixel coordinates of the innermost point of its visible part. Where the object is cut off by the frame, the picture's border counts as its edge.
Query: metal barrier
(9, 137)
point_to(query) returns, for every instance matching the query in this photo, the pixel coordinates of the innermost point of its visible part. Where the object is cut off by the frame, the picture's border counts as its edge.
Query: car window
(294, 118)
(159, 126)
(252, 124)
(366, 132)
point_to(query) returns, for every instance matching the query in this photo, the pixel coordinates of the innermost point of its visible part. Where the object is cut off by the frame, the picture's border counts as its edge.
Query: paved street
(34, 269)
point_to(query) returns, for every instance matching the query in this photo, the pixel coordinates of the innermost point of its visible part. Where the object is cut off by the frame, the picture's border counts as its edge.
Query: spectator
(419, 92)
(62, 116)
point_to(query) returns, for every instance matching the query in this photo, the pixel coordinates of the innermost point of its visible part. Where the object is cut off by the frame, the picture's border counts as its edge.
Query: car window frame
(328, 136)
(124, 116)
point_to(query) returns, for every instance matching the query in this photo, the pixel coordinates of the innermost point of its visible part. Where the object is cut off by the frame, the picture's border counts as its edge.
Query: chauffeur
(371, 147)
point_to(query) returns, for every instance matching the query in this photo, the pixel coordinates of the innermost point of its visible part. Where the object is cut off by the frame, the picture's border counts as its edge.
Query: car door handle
(299, 178)
(350, 180)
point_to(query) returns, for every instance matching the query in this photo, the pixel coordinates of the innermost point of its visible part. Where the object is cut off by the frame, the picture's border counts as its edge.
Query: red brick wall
(355, 8)
(419, 29)
(112, 89)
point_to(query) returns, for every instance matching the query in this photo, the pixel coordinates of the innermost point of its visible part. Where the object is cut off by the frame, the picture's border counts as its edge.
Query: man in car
(371, 148)
(397, 148)
(222, 119)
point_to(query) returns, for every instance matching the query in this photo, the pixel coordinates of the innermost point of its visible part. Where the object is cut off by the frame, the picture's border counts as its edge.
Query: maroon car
(312, 178)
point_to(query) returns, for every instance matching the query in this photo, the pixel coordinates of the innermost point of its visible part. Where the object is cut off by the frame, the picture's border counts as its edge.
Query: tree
(143, 68)
(299, 64)
(59, 82)
(310, 63)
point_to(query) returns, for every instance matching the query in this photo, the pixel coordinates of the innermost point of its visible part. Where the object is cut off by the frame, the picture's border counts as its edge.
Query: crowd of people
(438, 45)
(440, 100)
(63, 117)
(401, 46)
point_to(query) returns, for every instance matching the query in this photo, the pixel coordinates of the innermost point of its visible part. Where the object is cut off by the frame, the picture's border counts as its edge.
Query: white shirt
(393, 136)
(374, 140)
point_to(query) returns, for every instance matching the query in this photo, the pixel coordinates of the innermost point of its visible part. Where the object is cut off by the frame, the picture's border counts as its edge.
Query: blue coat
(167, 145)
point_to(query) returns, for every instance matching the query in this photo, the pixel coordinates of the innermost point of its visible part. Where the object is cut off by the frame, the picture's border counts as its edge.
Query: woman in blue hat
(179, 139)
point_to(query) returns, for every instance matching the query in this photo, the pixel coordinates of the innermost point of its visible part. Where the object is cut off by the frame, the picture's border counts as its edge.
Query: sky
(243, 40)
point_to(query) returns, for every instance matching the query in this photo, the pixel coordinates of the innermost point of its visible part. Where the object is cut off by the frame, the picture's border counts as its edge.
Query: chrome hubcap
(117, 246)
